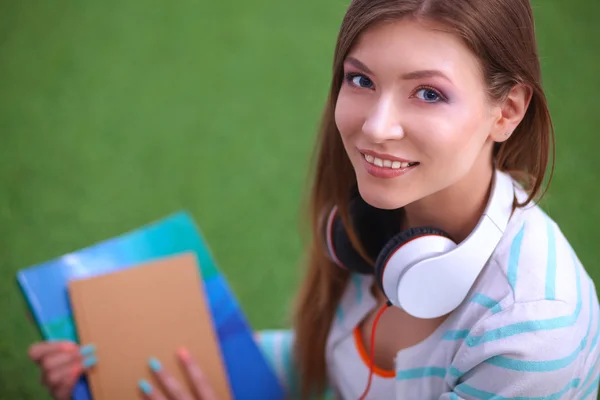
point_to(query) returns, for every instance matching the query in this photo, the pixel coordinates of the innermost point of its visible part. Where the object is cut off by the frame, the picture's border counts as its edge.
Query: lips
(386, 167)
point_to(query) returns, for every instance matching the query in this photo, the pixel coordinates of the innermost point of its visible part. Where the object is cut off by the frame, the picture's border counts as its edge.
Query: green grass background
(116, 113)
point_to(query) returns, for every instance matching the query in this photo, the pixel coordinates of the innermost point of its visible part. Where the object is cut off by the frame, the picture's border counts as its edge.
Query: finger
(76, 361)
(57, 377)
(38, 351)
(63, 392)
(60, 382)
(199, 382)
(172, 388)
(64, 370)
(60, 359)
(149, 392)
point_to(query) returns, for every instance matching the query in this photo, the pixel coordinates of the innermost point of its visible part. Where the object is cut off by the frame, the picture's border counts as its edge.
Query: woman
(434, 144)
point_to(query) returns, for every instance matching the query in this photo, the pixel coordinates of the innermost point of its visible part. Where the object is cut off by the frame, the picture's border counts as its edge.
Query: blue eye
(359, 81)
(428, 95)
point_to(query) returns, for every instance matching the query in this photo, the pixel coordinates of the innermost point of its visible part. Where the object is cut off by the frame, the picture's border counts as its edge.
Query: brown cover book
(146, 311)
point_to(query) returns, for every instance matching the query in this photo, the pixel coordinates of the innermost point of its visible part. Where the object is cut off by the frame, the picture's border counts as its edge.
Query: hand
(61, 364)
(173, 390)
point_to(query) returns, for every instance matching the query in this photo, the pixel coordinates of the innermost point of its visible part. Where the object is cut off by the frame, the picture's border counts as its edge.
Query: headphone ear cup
(373, 227)
(398, 241)
(341, 249)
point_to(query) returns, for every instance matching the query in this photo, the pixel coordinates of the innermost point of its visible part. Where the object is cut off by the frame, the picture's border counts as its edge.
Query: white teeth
(386, 163)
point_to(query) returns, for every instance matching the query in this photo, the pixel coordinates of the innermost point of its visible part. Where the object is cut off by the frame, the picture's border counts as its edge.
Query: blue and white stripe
(546, 338)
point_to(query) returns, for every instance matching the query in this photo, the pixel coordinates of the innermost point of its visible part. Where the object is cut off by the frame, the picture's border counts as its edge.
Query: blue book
(45, 289)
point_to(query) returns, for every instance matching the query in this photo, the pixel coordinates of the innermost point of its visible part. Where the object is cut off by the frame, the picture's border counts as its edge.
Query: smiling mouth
(391, 164)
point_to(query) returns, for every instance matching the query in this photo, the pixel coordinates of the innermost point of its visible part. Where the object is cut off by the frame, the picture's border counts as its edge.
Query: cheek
(455, 133)
(348, 118)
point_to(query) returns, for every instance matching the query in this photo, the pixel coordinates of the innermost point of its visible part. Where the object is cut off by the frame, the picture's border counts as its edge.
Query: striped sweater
(529, 329)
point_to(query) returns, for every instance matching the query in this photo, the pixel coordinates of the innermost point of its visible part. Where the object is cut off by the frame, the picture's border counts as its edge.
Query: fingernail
(87, 350)
(89, 361)
(145, 386)
(154, 364)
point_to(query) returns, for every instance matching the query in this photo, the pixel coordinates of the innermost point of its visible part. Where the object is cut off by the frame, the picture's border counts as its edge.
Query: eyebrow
(420, 74)
(358, 64)
(426, 73)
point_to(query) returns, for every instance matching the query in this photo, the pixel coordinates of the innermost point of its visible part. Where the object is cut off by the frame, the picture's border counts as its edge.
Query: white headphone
(420, 270)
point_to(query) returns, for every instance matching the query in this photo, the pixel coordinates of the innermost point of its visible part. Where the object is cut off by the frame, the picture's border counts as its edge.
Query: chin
(382, 198)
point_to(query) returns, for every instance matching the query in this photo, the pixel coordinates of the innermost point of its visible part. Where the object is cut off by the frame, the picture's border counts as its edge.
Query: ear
(512, 112)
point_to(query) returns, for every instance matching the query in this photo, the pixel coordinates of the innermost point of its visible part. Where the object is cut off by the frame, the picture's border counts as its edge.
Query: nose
(383, 122)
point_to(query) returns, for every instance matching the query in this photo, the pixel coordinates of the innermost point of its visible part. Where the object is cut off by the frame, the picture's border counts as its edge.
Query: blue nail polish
(89, 361)
(145, 386)
(154, 364)
(87, 350)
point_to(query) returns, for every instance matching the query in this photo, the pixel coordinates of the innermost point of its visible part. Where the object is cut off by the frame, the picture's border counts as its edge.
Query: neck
(456, 209)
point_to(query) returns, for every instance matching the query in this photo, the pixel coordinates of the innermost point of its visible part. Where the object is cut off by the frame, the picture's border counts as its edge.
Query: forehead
(403, 46)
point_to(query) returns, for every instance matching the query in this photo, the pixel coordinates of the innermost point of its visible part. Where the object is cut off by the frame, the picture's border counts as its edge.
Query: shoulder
(536, 260)
(549, 347)
(534, 265)
(541, 326)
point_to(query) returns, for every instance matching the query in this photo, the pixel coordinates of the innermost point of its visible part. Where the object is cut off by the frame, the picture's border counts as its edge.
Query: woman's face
(413, 113)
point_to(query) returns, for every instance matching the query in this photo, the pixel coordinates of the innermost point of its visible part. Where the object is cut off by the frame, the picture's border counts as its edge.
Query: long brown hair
(501, 34)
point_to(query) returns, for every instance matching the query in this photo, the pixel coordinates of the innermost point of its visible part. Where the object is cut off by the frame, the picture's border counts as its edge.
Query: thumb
(40, 350)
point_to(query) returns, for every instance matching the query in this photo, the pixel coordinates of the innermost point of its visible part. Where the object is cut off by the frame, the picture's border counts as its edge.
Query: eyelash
(437, 92)
(351, 75)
